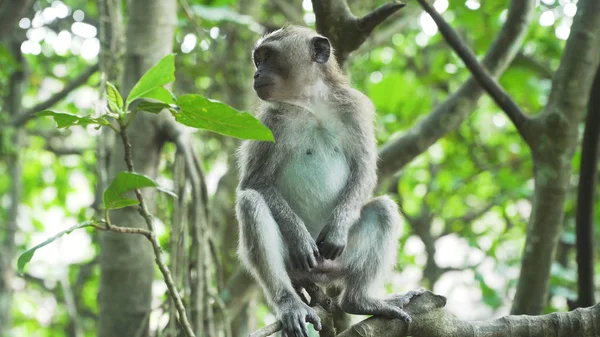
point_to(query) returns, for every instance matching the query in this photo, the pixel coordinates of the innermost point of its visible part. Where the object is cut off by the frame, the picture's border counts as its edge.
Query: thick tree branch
(74, 84)
(449, 114)
(431, 320)
(346, 31)
(368, 22)
(485, 80)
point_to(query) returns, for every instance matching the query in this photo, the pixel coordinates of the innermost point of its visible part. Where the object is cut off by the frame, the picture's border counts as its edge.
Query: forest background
(497, 190)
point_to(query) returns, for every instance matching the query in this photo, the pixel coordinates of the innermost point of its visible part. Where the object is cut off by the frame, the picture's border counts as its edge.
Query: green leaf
(160, 94)
(202, 113)
(124, 182)
(65, 120)
(162, 73)
(28, 254)
(113, 96)
(153, 107)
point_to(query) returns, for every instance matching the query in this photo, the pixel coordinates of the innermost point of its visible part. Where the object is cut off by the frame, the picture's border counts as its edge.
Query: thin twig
(74, 84)
(189, 13)
(485, 80)
(151, 236)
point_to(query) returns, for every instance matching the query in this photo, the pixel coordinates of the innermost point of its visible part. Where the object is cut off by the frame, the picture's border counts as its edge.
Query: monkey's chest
(313, 178)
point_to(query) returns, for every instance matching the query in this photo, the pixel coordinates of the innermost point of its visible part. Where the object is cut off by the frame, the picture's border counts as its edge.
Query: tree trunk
(552, 136)
(586, 197)
(7, 241)
(127, 267)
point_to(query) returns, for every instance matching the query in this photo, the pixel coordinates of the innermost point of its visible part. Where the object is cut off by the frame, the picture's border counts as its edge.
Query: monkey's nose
(256, 75)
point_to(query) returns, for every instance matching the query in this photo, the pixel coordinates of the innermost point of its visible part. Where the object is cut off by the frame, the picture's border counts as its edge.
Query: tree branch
(429, 319)
(485, 80)
(368, 22)
(346, 31)
(448, 115)
(74, 84)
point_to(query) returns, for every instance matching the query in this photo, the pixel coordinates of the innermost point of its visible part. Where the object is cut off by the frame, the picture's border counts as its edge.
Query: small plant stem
(150, 234)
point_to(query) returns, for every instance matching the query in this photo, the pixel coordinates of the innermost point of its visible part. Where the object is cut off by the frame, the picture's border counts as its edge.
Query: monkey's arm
(361, 181)
(258, 170)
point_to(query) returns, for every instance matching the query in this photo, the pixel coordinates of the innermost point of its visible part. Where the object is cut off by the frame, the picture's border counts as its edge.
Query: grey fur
(304, 203)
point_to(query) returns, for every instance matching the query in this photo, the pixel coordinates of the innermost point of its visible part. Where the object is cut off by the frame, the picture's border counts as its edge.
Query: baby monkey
(304, 203)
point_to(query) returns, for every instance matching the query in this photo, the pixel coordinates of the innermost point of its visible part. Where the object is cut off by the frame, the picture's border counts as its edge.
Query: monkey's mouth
(262, 85)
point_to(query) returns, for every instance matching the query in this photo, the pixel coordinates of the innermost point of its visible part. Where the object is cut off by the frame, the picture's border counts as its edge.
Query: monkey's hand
(293, 315)
(303, 254)
(332, 240)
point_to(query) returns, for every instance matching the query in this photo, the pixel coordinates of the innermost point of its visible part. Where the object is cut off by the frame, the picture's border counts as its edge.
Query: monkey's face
(270, 75)
(286, 64)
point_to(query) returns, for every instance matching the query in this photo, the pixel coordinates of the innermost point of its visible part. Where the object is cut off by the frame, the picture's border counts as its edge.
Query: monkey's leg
(369, 256)
(262, 250)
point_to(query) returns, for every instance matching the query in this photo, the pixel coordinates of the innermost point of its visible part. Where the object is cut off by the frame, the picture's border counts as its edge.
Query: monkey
(304, 203)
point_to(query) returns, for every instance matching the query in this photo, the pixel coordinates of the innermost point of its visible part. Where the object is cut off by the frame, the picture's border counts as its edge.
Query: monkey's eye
(266, 55)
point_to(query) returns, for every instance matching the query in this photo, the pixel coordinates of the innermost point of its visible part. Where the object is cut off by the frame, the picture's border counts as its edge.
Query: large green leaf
(65, 120)
(200, 112)
(162, 73)
(28, 254)
(124, 182)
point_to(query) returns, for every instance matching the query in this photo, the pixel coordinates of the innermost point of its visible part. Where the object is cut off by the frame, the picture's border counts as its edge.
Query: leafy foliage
(124, 182)
(203, 113)
(406, 75)
(161, 74)
(65, 120)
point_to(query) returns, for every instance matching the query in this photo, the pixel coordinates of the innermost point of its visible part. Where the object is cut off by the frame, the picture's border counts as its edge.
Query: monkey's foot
(375, 307)
(293, 316)
(400, 300)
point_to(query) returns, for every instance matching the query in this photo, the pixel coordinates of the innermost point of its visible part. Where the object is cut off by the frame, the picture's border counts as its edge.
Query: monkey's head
(289, 62)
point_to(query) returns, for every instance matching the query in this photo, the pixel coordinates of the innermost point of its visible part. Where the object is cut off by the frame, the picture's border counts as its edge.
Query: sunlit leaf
(113, 96)
(162, 73)
(26, 256)
(200, 112)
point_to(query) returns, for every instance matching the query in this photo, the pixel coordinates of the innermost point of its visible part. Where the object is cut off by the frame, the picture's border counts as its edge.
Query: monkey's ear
(321, 49)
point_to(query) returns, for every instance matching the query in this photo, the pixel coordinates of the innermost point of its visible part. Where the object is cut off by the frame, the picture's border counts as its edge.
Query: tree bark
(584, 222)
(552, 139)
(431, 320)
(13, 160)
(127, 267)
